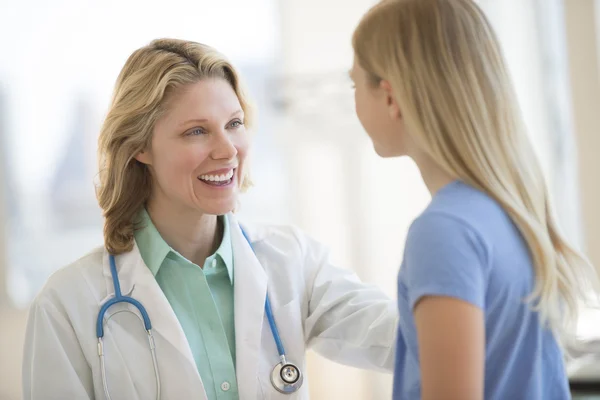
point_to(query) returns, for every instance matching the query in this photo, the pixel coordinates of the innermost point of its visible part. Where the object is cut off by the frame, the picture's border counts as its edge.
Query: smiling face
(198, 148)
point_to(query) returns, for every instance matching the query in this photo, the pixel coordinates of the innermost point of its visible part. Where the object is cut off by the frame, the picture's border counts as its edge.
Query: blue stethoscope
(286, 377)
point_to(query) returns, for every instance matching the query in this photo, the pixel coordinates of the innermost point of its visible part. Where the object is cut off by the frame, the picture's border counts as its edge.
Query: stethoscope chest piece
(286, 377)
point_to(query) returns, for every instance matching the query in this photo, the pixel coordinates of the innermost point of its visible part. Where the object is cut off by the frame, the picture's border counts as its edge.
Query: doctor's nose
(223, 147)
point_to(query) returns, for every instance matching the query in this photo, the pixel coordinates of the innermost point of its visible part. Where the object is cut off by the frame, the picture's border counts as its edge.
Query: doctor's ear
(391, 102)
(144, 156)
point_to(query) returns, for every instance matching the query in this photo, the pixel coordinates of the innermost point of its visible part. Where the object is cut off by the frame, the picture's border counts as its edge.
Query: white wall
(582, 22)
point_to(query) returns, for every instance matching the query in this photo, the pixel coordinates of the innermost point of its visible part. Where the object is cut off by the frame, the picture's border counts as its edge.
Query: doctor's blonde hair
(150, 75)
(445, 66)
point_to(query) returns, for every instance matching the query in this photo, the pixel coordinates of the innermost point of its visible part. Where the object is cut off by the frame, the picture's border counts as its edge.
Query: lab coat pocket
(288, 319)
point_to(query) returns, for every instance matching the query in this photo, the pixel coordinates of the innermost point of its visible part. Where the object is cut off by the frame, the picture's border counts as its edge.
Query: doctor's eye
(196, 132)
(236, 123)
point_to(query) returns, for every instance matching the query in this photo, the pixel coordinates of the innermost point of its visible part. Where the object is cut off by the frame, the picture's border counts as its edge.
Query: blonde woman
(181, 302)
(488, 284)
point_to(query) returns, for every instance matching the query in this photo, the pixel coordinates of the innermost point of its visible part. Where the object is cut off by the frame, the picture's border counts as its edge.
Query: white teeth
(217, 178)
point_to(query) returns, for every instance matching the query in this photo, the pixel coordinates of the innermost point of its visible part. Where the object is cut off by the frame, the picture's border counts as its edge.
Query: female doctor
(183, 301)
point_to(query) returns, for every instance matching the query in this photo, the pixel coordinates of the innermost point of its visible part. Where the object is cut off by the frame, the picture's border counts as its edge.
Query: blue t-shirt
(465, 246)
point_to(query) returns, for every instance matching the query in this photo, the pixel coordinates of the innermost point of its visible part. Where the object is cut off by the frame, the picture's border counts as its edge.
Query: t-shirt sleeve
(445, 257)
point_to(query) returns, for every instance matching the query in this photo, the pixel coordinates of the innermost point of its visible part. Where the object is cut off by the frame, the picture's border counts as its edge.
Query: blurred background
(313, 166)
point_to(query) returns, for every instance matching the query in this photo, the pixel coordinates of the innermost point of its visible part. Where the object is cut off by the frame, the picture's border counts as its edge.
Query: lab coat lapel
(250, 289)
(138, 282)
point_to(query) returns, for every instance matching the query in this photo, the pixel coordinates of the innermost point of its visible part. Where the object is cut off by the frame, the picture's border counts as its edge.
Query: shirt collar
(154, 249)
(225, 250)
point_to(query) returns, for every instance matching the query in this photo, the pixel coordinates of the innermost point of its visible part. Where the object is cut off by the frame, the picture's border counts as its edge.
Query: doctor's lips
(221, 177)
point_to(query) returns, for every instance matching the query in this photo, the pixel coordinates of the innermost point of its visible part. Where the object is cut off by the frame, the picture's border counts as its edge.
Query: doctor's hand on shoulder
(183, 301)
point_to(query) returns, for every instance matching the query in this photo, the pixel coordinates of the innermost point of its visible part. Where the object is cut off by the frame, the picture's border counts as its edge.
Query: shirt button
(225, 386)
(214, 263)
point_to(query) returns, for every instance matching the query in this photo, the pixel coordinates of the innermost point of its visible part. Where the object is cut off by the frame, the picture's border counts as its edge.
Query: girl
(488, 283)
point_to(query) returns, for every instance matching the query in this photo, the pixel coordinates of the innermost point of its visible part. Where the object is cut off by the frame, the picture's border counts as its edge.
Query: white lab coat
(315, 305)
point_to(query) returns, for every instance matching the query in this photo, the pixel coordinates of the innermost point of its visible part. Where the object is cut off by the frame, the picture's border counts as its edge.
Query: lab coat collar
(255, 233)
(250, 290)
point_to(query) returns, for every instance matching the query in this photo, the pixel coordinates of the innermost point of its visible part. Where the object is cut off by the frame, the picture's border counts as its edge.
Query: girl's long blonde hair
(149, 76)
(449, 77)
